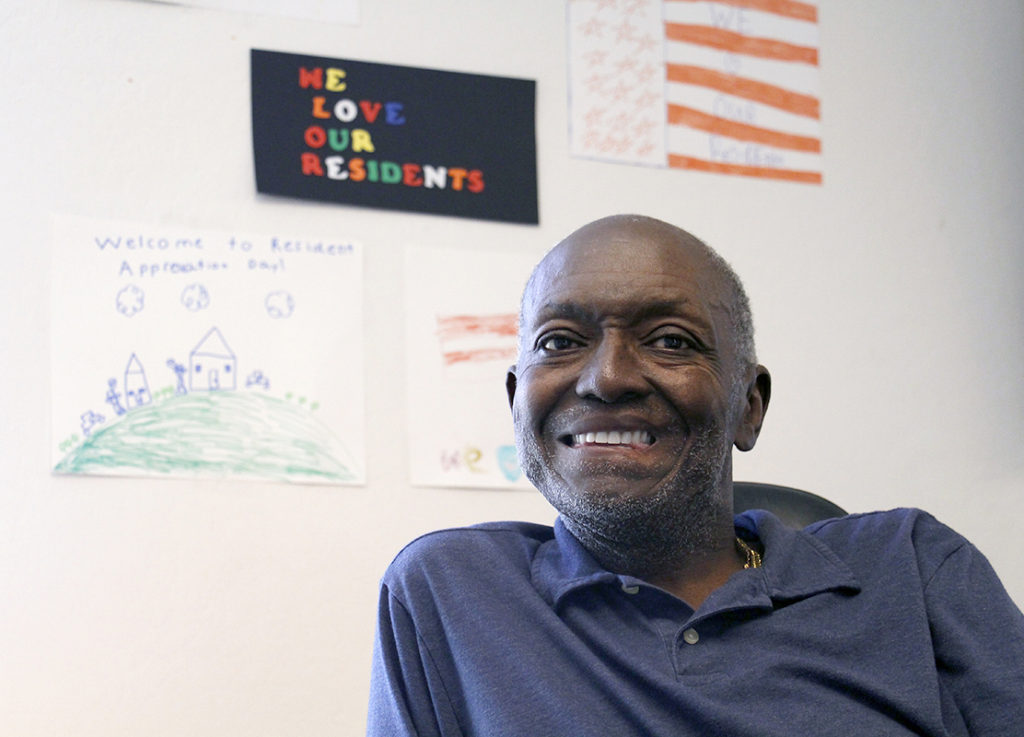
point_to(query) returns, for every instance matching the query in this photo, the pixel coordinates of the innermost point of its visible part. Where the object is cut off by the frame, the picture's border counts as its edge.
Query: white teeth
(613, 437)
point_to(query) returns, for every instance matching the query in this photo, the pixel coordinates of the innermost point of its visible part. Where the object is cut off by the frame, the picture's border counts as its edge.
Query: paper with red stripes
(461, 338)
(729, 87)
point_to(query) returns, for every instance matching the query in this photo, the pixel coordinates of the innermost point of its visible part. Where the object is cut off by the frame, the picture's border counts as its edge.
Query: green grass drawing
(216, 433)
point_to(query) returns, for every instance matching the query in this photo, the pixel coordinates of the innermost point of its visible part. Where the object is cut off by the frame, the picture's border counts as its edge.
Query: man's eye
(671, 342)
(558, 343)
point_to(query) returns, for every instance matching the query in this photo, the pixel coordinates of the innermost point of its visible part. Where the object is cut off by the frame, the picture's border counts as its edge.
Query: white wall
(888, 303)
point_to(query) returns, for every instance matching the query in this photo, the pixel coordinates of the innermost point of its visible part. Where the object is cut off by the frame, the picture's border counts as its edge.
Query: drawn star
(645, 150)
(626, 64)
(648, 98)
(622, 145)
(593, 116)
(595, 83)
(647, 42)
(647, 72)
(644, 126)
(621, 89)
(592, 139)
(624, 31)
(592, 27)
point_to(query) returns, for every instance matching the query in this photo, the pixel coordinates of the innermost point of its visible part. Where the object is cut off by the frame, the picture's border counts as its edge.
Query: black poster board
(394, 137)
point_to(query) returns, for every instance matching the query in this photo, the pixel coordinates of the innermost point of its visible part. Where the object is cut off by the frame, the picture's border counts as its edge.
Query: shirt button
(630, 589)
(690, 636)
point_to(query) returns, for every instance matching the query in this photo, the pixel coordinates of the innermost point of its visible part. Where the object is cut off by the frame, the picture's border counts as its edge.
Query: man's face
(627, 396)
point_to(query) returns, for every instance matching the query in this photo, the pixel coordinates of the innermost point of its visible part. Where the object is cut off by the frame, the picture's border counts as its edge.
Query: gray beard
(647, 535)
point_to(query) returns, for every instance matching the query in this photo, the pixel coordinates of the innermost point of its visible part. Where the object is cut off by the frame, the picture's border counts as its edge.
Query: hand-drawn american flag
(728, 86)
(477, 338)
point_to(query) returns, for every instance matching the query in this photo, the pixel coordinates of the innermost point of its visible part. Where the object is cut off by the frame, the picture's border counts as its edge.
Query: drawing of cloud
(195, 297)
(279, 304)
(130, 300)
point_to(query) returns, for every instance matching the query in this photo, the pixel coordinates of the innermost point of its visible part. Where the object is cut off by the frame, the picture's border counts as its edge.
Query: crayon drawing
(461, 341)
(185, 353)
(729, 87)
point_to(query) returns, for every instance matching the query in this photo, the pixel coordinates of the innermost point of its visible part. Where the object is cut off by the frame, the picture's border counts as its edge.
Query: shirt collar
(563, 565)
(796, 565)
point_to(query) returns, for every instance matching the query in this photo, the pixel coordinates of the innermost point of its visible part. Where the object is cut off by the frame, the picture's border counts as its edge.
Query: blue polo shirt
(877, 624)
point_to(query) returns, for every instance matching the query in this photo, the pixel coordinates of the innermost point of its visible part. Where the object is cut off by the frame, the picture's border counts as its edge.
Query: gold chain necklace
(753, 557)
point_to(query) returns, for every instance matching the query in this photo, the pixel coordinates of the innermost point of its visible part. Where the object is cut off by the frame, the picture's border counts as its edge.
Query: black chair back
(794, 507)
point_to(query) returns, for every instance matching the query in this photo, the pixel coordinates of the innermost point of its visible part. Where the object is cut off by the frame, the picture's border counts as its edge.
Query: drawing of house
(136, 388)
(211, 364)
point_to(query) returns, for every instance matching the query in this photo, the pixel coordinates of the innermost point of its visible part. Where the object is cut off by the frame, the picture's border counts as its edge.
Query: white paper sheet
(729, 87)
(185, 352)
(461, 309)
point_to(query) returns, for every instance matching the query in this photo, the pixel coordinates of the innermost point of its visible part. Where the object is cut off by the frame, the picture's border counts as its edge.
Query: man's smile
(631, 438)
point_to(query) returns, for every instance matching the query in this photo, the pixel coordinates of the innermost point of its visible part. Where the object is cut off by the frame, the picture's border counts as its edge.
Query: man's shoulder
(480, 538)
(867, 534)
(462, 553)
(907, 521)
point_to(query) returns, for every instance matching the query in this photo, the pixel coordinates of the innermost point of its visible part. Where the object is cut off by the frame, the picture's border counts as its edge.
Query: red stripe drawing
(477, 338)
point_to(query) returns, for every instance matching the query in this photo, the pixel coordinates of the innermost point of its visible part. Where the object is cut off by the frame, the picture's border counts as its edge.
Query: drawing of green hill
(227, 433)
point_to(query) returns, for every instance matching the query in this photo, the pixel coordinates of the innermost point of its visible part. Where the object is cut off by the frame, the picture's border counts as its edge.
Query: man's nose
(613, 372)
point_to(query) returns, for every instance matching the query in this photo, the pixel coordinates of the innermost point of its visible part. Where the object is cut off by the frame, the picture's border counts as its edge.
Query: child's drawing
(461, 341)
(212, 365)
(130, 300)
(195, 297)
(179, 374)
(136, 388)
(114, 397)
(161, 396)
(279, 304)
(729, 87)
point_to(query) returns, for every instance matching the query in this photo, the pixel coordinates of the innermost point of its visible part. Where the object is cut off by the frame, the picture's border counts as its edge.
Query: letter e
(334, 77)
(411, 175)
(393, 113)
(335, 168)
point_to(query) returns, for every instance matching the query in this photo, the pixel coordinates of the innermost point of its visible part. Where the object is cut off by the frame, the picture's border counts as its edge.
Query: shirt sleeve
(407, 697)
(978, 635)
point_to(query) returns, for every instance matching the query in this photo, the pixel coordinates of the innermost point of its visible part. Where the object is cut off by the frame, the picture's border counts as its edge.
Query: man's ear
(510, 384)
(759, 391)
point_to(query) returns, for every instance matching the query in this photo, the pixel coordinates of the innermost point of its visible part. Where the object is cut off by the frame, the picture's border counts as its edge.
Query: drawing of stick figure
(179, 371)
(114, 398)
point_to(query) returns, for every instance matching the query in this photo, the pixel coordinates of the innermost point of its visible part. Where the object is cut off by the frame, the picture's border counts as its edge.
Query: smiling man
(631, 390)
(648, 609)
